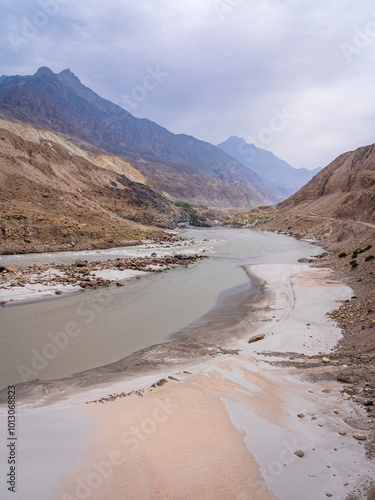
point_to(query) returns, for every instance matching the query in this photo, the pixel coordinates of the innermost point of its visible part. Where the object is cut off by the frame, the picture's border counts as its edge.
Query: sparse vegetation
(323, 232)
(358, 251)
(342, 254)
(186, 206)
(369, 257)
(354, 264)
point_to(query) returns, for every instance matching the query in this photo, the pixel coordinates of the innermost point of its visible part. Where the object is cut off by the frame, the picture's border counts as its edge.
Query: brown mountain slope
(344, 189)
(188, 169)
(54, 195)
(338, 204)
(336, 209)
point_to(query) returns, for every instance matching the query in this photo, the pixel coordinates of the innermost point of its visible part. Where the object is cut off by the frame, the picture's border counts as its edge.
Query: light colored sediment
(38, 291)
(175, 442)
(229, 428)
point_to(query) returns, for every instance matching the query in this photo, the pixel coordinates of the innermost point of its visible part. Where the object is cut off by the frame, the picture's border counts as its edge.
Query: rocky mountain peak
(69, 78)
(44, 71)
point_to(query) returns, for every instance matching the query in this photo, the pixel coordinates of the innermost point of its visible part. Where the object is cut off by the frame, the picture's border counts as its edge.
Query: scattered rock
(347, 376)
(360, 437)
(301, 415)
(256, 338)
(299, 453)
(326, 360)
(369, 402)
(119, 284)
(59, 292)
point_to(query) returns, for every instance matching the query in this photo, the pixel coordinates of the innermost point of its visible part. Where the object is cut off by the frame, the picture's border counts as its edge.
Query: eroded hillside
(56, 195)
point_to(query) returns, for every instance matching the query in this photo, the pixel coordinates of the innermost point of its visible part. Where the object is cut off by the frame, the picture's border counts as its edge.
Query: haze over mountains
(268, 166)
(179, 167)
(114, 177)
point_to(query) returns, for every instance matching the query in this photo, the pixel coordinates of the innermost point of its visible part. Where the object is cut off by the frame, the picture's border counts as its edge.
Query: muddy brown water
(57, 338)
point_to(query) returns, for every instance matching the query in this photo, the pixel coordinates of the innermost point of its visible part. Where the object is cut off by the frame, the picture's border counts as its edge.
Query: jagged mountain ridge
(268, 166)
(61, 103)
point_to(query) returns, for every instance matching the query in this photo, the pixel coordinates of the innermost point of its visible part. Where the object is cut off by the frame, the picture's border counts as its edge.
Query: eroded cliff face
(337, 205)
(57, 195)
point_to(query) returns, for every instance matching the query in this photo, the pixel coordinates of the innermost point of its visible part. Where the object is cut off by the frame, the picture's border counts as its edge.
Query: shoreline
(239, 393)
(36, 282)
(249, 387)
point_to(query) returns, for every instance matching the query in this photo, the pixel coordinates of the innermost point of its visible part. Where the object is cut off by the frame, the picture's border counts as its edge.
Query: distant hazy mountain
(268, 166)
(178, 166)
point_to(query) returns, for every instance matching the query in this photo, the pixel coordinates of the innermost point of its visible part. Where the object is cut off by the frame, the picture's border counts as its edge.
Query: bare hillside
(55, 195)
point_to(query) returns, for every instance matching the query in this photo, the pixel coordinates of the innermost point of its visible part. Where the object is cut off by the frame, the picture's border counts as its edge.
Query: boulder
(347, 376)
(256, 338)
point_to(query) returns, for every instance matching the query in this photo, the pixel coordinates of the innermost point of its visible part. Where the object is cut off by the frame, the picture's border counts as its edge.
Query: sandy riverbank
(40, 281)
(223, 428)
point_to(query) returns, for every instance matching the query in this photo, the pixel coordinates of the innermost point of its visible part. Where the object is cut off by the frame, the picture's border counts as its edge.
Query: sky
(295, 77)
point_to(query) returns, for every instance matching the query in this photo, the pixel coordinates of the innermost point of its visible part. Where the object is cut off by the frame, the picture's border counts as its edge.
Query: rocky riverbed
(83, 274)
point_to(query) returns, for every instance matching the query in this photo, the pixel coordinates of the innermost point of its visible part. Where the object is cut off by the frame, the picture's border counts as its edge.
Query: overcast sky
(294, 76)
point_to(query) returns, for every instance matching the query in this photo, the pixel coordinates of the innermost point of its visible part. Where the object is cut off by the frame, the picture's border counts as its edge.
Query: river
(51, 339)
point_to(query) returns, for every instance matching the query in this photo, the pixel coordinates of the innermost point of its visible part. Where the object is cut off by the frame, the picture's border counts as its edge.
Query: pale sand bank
(36, 292)
(228, 429)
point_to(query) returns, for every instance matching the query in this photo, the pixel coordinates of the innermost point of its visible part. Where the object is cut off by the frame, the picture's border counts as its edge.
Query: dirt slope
(55, 195)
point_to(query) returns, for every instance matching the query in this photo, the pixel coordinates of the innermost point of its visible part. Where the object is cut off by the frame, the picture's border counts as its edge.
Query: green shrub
(362, 251)
(354, 264)
(342, 254)
(182, 205)
(369, 257)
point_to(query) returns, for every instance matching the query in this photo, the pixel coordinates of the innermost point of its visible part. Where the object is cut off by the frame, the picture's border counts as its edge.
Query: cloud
(230, 64)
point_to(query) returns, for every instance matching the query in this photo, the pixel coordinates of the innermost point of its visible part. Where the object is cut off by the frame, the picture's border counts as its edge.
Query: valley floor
(225, 428)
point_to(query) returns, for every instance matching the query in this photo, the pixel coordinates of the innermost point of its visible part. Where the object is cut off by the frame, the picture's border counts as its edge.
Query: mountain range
(81, 170)
(269, 167)
(178, 166)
